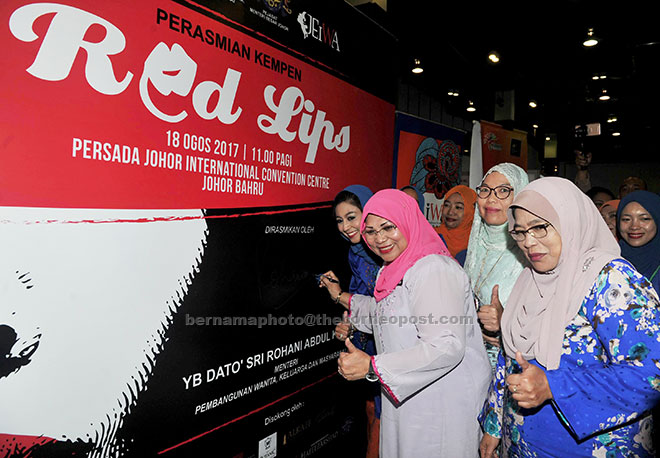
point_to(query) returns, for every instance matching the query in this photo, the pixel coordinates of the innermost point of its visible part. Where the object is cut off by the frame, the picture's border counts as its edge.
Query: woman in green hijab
(493, 260)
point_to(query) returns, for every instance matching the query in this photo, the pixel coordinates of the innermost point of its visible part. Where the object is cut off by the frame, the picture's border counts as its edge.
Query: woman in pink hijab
(431, 362)
(578, 374)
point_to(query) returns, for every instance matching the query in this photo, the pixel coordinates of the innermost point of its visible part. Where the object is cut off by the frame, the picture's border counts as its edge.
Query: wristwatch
(371, 375)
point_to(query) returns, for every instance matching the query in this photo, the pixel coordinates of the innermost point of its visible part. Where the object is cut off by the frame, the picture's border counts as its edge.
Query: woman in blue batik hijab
(577, 375)
(347, 207)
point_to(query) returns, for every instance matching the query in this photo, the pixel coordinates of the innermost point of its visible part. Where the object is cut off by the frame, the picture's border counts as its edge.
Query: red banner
(143, 105)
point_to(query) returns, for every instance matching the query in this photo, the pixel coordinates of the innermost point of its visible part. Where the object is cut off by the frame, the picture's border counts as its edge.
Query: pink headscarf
(542, 304)
(403, 211)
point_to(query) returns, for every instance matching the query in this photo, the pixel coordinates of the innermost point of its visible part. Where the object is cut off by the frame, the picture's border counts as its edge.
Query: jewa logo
(311, 26)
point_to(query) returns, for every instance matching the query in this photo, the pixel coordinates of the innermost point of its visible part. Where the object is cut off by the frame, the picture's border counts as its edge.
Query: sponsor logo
(278, 6)
(324, 413)
(298, 429)
(314, 28)
(268, 446)
(319, 444)
(347, 426)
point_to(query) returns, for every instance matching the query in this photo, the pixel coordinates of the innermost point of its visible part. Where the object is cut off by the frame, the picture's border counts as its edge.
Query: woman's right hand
(491, 315)
(488, 446)
(333, 288)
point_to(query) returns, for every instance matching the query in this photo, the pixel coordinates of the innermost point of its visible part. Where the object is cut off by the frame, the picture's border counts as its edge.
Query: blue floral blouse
(607, 382)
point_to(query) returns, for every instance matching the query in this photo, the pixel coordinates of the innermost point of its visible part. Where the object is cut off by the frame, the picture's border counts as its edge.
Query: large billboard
(165, 178)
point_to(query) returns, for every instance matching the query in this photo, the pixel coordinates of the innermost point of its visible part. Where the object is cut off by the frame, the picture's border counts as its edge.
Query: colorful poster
(164, 207)
(501, 145)
(428, 157)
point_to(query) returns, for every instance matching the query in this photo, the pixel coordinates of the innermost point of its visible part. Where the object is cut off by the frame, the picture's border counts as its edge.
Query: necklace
(479, 283)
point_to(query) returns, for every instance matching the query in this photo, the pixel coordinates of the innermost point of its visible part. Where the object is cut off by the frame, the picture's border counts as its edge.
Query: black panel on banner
(253, 267)
(337, 37)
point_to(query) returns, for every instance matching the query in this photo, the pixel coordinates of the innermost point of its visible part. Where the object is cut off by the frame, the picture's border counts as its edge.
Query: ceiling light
(471, 107)
(450, 93)
(417, 68)
(616, 134)
(494, 57)
(547, 139)
(535, 126)
(532, 104)
(612, 119)
(595, 77)
(604, 96)
(591, 39)
(603, 77)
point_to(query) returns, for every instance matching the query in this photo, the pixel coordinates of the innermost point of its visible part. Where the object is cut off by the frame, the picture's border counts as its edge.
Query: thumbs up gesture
(491, 315)
(353, 364)
(343, 328)
(530, 388)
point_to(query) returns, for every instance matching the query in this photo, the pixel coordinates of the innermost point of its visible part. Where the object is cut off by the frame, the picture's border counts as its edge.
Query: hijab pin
(587, 263)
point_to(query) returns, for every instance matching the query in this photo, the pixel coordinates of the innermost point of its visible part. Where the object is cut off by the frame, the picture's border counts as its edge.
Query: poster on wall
(502, 145)
(164, 208)
(428, 157)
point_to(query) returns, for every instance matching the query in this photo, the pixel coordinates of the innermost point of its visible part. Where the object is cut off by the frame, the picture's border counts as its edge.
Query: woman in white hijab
(493, 260)
(583, 326)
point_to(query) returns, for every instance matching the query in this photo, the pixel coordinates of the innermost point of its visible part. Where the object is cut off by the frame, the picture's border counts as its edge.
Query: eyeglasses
(538, 232)
(501, 192)
(388, 230)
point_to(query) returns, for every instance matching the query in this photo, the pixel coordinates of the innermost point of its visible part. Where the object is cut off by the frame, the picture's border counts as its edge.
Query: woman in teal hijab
(493, 260)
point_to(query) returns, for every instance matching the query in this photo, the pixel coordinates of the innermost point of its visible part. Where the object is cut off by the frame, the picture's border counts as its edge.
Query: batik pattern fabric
(363, 282)
(607, 382)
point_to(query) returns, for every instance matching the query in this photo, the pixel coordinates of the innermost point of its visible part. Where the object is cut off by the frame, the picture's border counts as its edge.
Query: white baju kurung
(431, 361)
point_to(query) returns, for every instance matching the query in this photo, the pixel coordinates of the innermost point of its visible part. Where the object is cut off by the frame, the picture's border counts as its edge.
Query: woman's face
(608, 213)
(543, 252)
(600, 198)
(69, 288)
(631, 184)
(493, 210)
(453, 210)
(637, 226)
(348, 218)
(384, 238)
